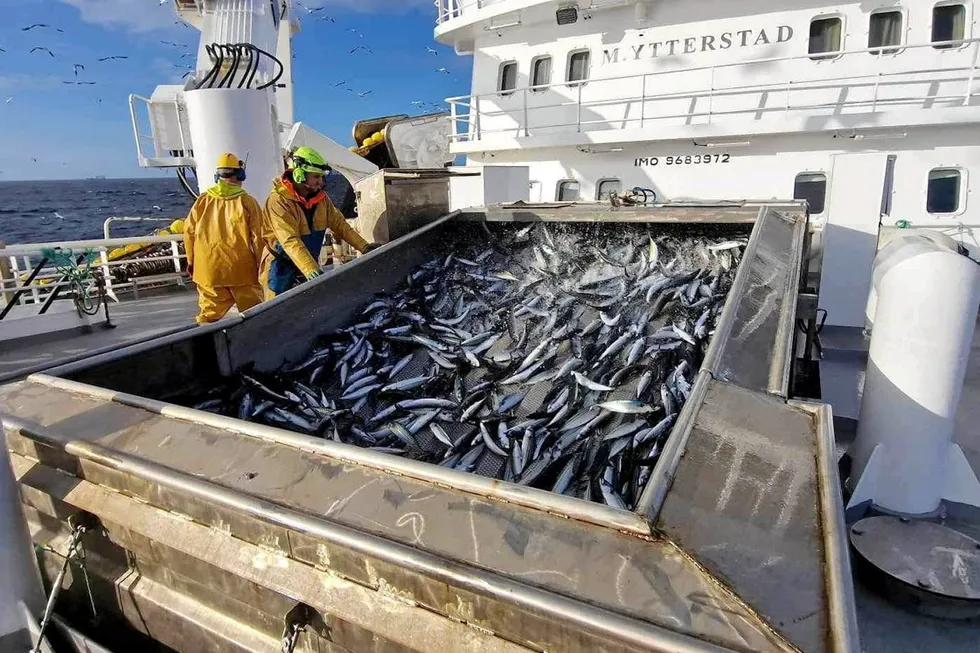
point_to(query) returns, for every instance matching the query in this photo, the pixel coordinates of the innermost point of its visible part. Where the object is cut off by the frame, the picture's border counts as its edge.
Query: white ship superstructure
(866, 110)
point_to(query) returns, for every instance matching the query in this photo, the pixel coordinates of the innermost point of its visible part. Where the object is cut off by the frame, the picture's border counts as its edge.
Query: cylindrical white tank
(895, 250)
(240, 121)
(19, 579)
(926, 312)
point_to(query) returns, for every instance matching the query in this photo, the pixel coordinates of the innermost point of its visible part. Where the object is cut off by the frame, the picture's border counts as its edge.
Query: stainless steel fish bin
(207, 533)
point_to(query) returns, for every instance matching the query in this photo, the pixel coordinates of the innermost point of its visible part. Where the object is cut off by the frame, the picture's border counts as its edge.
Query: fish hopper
(204, 532)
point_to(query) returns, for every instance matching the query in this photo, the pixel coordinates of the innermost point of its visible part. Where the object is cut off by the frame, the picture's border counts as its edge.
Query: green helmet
(306, 159)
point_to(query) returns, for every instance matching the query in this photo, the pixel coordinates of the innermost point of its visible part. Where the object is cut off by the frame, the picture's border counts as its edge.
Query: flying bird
(77, 67)
(354, 31)
(364, 94)
(309, 10)
(9, 100)
(430, 50)
(2, 50)
(41, 48)
(330, 18)
(361, 47)
(340, 83)
(114, 57)
(443, 70)
(39, 25)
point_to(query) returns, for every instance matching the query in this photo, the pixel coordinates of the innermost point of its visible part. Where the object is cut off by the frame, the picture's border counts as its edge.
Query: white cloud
(133, 15)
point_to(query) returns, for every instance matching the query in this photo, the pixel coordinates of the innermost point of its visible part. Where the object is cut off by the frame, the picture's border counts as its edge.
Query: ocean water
(46, 211)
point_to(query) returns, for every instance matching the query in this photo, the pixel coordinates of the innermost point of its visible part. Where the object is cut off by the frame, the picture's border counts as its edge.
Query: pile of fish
(551, 356)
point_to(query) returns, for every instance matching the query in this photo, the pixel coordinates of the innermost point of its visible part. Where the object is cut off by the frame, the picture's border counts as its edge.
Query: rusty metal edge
(587, 511)
(841, 608)
(598, 621)
(662, 477)
(779, 370)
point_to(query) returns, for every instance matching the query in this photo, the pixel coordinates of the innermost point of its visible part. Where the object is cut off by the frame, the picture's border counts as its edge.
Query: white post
(643, 99)
(525, 112)
(106, 276)
(904, 459)
(973, 70)
(35, 292)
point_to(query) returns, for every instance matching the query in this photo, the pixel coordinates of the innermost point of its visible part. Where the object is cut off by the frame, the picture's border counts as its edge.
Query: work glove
(370, 247)
(314, 274)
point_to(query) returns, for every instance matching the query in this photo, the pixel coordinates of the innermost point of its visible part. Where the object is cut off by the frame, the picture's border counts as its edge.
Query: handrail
(44, 280)
(734, 64)
(468, 125)
(23, 249)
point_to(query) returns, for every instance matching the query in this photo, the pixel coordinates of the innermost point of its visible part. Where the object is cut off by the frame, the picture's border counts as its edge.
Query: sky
(77, 131)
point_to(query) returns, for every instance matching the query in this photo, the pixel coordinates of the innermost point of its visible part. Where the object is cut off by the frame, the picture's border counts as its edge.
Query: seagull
(77, 67)
(41, 48)
(354, 31)
(30, 27)
(330, 18)
(114, 57)
(430, 50)
(443, 70)
(2, 50)
(9, 100)
(364, 94)
(340, 83)
(309, 10)
(157, 207)
(361, 47)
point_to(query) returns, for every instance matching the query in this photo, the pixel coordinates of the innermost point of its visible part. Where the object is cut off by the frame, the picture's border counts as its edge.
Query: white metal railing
(158, 159)
(24, 280)
(561, 105)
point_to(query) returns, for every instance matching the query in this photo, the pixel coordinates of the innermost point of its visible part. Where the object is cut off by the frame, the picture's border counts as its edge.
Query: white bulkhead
(720, 100)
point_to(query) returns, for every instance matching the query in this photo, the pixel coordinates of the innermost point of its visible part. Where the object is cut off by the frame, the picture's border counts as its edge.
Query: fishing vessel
(834, 142)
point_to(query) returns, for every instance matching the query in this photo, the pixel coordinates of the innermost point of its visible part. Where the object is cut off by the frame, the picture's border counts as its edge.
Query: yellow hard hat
(177, 227)
(229, 160)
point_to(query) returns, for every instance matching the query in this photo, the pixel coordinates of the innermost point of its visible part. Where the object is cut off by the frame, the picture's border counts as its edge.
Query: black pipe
(282, 69)
(231, 68)
(216, 58)
(182, 176)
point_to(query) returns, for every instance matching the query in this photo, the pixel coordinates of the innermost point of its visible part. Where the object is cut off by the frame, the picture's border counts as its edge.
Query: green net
(66, 260)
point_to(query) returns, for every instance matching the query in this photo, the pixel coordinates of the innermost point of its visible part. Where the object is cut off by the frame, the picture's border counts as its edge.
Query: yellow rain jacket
(223, 237)
(290, 219)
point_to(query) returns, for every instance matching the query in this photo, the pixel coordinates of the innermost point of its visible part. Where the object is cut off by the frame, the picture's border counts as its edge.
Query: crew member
(298, 213)
(223, 238)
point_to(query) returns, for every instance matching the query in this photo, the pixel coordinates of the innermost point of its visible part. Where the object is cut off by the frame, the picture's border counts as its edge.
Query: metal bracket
(295, 622)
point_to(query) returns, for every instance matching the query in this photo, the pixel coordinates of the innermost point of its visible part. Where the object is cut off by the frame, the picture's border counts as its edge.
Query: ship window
(825, 36)
(578, 66)
(606, 187)
(567, 191)
(541, 71)
(812, 187)
(948, 24)
(508, 77)
(885, 30)
(943, 195)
